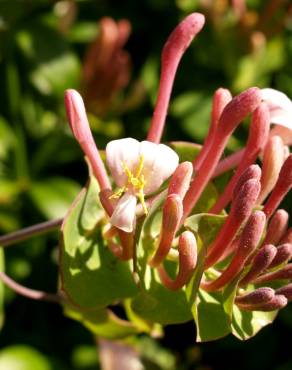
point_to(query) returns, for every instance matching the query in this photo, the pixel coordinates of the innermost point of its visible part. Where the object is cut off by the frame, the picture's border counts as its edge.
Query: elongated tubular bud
(171, 216)
(258, 135)
(221, 98)
(284, 254)
(273, 159)
(241, 209)
(234, 112)
(284, 273)
(127, 239)
(174, 48)
(180, 180)
(81, 130)
(258, 296)
(277, 227)
(286, 291)
(253, 172)
(285, 134)
(287, 237)
(249, 240)
(260, 263)
(228, 163)
(187, 248)
(276, 303)
(281, 188)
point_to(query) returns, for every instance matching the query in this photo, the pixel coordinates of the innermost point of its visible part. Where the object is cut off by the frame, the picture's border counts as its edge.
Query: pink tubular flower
(139, 169)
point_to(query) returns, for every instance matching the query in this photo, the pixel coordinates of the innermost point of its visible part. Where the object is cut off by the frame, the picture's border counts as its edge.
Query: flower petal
(124, 215)
(280, 107)
(119, 151)
(160, 162)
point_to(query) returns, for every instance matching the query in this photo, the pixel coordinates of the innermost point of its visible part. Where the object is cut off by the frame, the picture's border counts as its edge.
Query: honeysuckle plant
(152, 233)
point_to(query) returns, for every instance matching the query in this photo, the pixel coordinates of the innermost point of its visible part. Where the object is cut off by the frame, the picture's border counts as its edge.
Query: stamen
(136, 181)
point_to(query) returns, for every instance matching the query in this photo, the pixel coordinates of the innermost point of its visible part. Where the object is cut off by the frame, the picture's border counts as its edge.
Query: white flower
(280, 107)
(139, 169)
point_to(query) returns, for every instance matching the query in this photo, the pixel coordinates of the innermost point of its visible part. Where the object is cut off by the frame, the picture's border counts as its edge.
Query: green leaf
(156, 303)
(20, 357)
(205, 225)
(54, 196)
(91, 276)
(1, 289)
(208, 310)
(212, 322)
(246, 324)
(185, 150)
(102, 322)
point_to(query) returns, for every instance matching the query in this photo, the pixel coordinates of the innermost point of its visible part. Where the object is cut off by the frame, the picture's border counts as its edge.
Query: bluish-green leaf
(91, 275)
(103, 323)
(156, 303)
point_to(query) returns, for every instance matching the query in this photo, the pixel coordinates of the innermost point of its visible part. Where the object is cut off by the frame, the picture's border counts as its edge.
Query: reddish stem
(173, 50)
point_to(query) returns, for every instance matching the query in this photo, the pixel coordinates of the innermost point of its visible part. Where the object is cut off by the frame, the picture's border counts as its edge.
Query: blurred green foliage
(43, 48)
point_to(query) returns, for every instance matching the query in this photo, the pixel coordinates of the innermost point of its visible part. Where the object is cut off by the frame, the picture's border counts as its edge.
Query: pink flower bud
(284, 254)
(234, 112)
(81, 130)
(261, 262)
(258, 135)
(180, 180)
(286, 291)
(178, 41)
(277, 227)
(221, 98)
(287, 238)
(281, 188)
(187, 248)
(272, 162)
(171, 216)
(241, 209)
(276, 303)
(252, 172)
(249, 240)
(238, 108)
(284, 273)
(258, 296)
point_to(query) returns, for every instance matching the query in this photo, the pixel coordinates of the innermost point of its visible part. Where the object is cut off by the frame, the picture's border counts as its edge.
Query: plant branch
(27, 292)
(29, 232)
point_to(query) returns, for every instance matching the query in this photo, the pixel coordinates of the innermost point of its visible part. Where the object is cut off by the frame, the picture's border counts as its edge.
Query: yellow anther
(136, 181)
(118, 193)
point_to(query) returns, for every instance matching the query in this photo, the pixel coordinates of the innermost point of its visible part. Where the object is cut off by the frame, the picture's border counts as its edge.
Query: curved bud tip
(245, 198)
(180, 180)
(185, 31)
(238, 108)
(258, 296)
(252, 172)
(76, 115)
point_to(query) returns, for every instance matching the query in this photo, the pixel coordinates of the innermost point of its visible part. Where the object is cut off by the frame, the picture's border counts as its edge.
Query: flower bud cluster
(254, 244)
